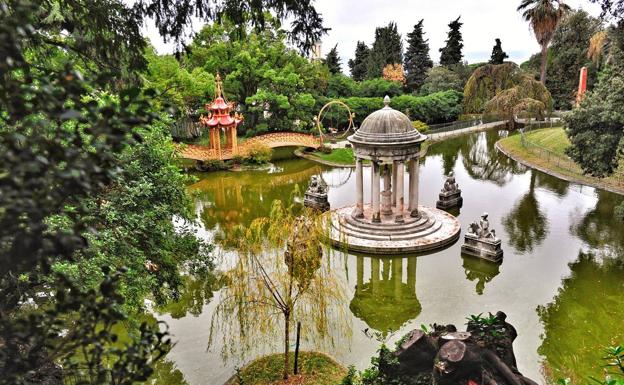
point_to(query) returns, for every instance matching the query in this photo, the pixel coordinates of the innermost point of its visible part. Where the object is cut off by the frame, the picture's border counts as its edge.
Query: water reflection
(481, 160)
(227, 199)
(479, 270)
(194, 294)
(584, 318)
(384, 299)
(599, 227)
(526, 224)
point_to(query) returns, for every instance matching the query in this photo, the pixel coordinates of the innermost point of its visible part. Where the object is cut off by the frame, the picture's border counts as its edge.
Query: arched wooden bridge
(272, 140)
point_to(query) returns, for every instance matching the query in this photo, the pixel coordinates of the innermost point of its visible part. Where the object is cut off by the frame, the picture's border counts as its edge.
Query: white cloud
(484, 20)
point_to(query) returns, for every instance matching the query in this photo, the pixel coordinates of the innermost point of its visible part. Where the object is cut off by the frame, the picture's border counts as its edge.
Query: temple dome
(386, 127)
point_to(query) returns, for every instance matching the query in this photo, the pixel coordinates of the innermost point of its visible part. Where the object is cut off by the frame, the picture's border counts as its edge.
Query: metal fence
(564, 163)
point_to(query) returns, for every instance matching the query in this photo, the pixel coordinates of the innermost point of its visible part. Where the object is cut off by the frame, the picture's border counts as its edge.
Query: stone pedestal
(449, 199)
(386, 202)
(317, 201)
(485, 248)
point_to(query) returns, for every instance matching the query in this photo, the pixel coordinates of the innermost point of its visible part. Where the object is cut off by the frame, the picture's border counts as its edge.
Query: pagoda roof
(219, 104)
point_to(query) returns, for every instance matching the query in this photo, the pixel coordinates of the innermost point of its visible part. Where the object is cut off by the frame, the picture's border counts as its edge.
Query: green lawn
(554, 139)
(314, 368)
(338, 155)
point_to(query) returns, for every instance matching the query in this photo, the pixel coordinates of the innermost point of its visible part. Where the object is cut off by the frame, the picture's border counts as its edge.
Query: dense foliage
(332, 61)
(596, 127)
(451, 53)
(441, 79)
(387, 49)
(568, 53)
(417, 60)
(358, 65)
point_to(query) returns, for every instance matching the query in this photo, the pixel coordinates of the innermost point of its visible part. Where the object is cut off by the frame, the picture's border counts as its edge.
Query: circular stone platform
(433, 230)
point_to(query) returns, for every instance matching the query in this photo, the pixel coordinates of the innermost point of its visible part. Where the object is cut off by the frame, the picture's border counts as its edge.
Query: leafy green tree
(498, 55)
(568, 54)
(441, 79)
(387, 49)
(332, 61)
(451, 53)
(280, 96)
(340, 85)
(596, 127)
(379, 88)
(417, 60)
(359, 63)
(614, 8)
(489, 80)
(544, 17)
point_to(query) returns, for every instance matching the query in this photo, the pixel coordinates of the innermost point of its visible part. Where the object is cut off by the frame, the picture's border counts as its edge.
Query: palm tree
(544, 16)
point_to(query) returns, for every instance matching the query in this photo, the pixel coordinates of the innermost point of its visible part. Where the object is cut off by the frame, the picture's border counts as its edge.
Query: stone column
(234, 140)
(387, 174)
(394, 182)
(359, 189)
(400, 200)
(375, 192)
(413, 187)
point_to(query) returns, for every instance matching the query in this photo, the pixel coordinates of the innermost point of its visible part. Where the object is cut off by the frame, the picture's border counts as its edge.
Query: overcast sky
(484, 20)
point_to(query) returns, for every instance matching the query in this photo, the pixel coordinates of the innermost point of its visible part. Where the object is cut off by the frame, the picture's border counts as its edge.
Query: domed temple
(390, 223)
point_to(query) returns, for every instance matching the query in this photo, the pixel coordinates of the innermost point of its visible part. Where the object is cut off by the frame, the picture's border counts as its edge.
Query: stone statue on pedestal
(316, 195)
(482, 242)
(450, 195)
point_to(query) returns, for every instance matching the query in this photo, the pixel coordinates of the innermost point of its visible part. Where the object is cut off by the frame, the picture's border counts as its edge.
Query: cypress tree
(498, 55)
(358, 64)
(417, 60)
(452, 53)
(332, 61)
(387, 49)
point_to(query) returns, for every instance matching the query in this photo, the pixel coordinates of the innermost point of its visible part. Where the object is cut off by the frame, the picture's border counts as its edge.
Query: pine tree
(417, 60)
(332, 61)
(452, 53)
(387, 49)
(498, 55)
(358, 64)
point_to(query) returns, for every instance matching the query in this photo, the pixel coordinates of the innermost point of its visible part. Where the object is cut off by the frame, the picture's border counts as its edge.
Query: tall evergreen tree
(387, 49)
(358, 64)
(452, 53)
(332, 60)
(498, 55)
(417, 60)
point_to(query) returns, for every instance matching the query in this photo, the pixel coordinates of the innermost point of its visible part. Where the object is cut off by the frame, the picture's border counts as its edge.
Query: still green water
(560, 283)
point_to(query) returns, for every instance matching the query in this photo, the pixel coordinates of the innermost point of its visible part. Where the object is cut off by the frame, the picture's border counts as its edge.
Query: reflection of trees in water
(449, 150)
(166, 373)
(479, 270)
(599, 227)
(196, 292)
(526, 225)
(584, 318)
(550, 183)
(386, 302)
(482, 161)
(228, 199)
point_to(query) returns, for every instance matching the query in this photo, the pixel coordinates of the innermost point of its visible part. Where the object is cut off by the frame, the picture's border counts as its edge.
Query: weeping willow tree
(506, 82)
(281, 276)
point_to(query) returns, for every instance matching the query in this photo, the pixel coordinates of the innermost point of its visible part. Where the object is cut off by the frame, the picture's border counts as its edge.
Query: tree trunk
(286, 344)
(543, 64)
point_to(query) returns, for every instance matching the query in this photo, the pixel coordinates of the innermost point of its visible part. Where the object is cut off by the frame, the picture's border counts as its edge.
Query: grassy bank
(338, 156)
(550, 157)
(314, 368)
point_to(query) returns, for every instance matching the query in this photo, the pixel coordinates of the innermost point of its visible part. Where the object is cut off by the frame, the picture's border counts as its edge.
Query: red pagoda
(221, 118)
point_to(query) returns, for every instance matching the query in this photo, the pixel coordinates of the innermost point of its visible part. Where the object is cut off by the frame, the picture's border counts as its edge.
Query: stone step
(389, 226)
(349, 231)
(388, 232)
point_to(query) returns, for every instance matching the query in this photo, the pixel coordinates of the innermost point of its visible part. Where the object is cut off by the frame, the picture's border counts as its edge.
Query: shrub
(325, 149)
(420, 126)
(379, 88)
(257, 153)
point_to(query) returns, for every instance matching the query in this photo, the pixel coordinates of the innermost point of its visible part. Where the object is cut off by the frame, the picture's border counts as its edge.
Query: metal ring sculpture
(322, 112)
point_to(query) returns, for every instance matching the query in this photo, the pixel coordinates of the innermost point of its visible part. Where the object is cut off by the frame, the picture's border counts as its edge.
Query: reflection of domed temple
(391, 223)
(384, 299)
